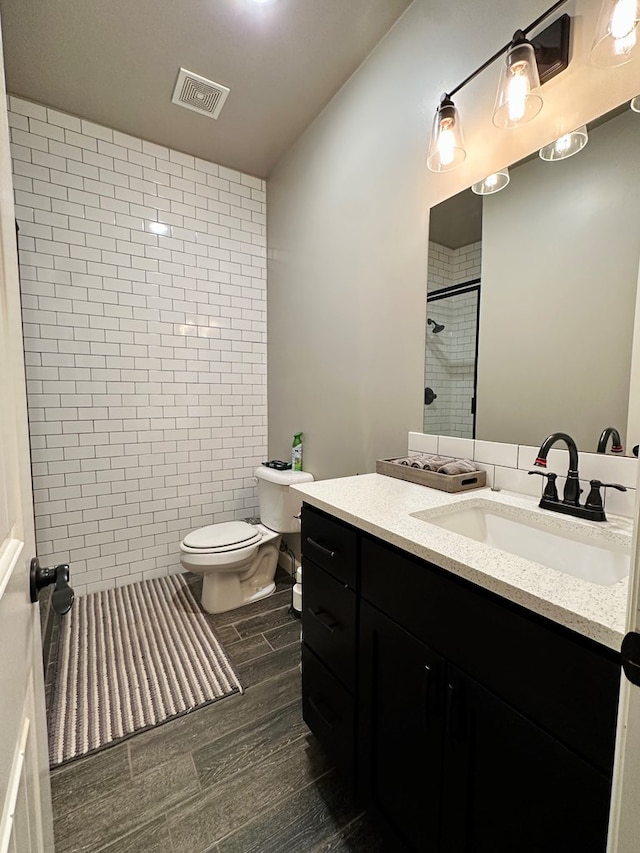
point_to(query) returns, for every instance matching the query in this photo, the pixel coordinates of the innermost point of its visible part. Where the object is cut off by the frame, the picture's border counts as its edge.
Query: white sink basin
(567, 549)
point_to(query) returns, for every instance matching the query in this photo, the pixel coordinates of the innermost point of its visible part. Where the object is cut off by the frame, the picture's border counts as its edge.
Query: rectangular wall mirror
(531, 298)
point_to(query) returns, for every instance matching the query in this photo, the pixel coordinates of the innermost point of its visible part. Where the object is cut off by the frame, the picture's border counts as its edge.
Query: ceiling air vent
(199, 94)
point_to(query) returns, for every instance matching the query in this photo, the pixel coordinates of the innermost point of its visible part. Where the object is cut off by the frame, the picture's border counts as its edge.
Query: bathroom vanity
(468, 700)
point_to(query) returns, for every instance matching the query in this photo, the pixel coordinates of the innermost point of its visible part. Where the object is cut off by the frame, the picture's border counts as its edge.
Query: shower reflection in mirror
(451, 355)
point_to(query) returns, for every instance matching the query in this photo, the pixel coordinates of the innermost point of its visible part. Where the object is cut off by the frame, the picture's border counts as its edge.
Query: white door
(624, 832)
(25, 796)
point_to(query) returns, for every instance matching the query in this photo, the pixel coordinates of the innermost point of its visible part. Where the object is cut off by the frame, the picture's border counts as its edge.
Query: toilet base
(222, 591)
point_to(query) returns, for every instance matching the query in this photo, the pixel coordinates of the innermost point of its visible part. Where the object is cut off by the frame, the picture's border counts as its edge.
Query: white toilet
(238, 560)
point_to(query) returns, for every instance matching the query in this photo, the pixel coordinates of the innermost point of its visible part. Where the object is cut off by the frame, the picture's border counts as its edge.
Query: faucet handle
(611, 486)
(550, 490)
(594, 500)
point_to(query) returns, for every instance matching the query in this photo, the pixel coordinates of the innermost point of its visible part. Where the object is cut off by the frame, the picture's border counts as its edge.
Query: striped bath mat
(129, 659)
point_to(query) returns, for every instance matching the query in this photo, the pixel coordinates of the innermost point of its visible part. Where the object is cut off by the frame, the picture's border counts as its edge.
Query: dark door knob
(63, 595)
(429, 396)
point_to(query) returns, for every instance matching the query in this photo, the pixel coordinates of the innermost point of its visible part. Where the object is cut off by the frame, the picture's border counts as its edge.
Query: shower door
(451, 356)
(25, 798)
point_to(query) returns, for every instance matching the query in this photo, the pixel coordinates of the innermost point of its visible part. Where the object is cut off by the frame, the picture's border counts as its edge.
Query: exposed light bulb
(446, 142)
(566, 145)
(517, 100)
(518, 91)
(623, 19)
(625, 44)
(562, 145)
(446, 146)
(616, 33)
(492, 183)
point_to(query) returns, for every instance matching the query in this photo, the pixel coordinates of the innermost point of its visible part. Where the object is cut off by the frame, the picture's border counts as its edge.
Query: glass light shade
(566, 145)
(635, 104)
(616, 32)
(492, 183)
(517, 101)
(446, 147)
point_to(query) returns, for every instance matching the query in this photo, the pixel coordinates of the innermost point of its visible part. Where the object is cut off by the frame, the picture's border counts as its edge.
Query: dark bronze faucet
(616, 443)
(572, 486)
(570, 504)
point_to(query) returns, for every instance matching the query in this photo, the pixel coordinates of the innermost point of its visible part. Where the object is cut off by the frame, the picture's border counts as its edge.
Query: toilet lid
(226, 535)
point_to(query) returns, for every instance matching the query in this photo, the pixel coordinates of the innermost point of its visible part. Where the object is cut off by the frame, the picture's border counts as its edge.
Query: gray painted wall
(561, 247)
(348, 221)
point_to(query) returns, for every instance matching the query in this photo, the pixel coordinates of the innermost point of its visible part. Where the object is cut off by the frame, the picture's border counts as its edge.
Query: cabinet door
(400, 731)
(509, 786)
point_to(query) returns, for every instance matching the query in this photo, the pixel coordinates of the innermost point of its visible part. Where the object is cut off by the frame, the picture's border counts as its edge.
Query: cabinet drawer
(330, 544)
(329, 711)
(329, 622)
(565, 683)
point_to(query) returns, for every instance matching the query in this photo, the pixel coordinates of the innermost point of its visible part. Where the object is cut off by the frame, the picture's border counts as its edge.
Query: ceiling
(457, 221)
(115, 62)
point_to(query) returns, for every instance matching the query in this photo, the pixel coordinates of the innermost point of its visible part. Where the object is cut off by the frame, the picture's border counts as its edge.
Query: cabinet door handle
(455, 714)
(325, 619)
(326, 551)
(328, 721)
(430, 693)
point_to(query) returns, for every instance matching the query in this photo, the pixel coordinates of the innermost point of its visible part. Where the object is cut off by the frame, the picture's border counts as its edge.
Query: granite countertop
(385, 507)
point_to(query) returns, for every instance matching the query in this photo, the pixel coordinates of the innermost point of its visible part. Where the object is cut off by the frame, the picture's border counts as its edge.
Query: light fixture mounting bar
(525, 30)
(552, 48)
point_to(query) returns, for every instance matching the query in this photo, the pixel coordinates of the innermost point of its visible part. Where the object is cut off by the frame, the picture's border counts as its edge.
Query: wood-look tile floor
(243, 775)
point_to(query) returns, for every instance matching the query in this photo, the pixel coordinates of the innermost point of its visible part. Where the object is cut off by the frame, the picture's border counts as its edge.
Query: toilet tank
(278, 504)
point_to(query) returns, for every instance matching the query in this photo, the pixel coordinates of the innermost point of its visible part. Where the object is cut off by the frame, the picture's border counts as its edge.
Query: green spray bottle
(296, 452)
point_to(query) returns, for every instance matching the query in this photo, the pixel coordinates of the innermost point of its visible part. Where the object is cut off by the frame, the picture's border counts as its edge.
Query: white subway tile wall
(450, 354)
(447, 267)
(144, 306)
(507, 467)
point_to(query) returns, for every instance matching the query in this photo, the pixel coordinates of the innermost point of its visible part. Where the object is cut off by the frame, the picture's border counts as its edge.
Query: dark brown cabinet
(508, 785)
(470, 724)
(400, 733)
(330, 624)
(447, 766)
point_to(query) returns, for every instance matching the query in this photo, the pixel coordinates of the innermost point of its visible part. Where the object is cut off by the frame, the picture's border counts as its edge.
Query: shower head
(437, 327)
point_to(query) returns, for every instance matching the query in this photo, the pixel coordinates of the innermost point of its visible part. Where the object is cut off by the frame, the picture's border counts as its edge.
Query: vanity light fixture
(446, 150)
(616, 32)
(492, 183)
(517, 101)
(635, 104)
(529, 64)
(566, 145)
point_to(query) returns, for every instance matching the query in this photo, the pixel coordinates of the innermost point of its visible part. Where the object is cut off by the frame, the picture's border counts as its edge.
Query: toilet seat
(228, 536)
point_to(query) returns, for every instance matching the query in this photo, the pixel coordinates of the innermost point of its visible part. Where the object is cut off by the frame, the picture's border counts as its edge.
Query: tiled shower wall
(451, 363)
(450, 355)
(144, 305)
(452, 266)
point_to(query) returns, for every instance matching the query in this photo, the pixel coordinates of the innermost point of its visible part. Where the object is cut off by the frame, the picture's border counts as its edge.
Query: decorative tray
(444, 482)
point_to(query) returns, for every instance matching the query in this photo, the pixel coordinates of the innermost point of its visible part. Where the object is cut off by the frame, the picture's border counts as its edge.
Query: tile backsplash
(144, 305)
(507, 467)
